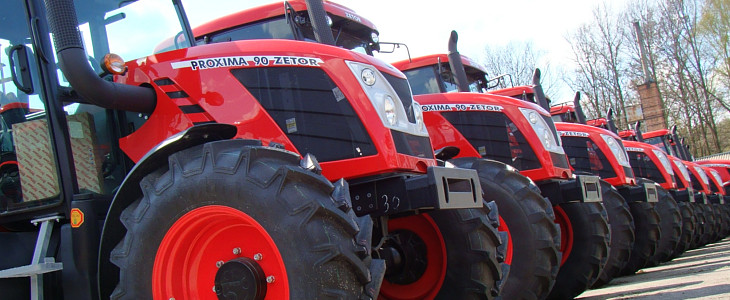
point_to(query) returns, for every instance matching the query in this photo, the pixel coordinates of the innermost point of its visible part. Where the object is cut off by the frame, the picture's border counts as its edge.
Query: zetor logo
(574, 133)
(634, 149)
(353, 17)
(245, 61)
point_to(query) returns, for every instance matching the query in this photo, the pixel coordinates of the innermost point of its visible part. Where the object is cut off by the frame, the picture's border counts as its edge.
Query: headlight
(385, 100)
(543, 130)
(368, 76)
(418, 113)
(703, 175)
(664, 159)
(683, 169)
(617, 149)
(716, 175)
(389, 109)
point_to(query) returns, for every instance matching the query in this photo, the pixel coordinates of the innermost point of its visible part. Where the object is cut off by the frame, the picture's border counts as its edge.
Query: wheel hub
(406, 256)
(240, 278)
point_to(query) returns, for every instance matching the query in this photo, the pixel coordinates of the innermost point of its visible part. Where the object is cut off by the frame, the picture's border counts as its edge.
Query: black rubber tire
(719, 222)
(535, 238)
(689, 225)
(709, 227)
(700, 219)
(726, 222)
(647, 233)
(622, 225)
(268, 185)
(474, 258)
(670, 221)
(589, 251)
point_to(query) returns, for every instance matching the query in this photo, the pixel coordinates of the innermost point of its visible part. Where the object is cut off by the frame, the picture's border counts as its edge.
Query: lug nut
(270, 279)
(258, 256)
(236, 251)
(218, 264)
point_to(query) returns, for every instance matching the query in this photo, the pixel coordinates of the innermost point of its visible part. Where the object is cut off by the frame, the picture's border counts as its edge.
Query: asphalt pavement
(702, 273)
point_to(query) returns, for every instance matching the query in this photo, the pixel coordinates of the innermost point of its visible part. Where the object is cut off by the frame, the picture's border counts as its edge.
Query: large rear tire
(670, 221)
(622, 233)
(225, 208)
(648, 233)
(533, 248)
(584, 230)
(689, 225)
(446, 254)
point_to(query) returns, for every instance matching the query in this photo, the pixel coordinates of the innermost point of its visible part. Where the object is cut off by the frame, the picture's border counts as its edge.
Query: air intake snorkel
(73, 62)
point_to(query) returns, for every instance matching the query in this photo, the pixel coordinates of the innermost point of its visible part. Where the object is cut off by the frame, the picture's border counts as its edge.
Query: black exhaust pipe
(73, 62)
(579, 109)
(539, 93)
(678, 146)
(637, 131)
(457, 67)
(318, 17)
(609, 120)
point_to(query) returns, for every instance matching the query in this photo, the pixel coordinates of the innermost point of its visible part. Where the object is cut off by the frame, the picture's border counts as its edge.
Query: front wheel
(228, 220)
(648, 233)
(622, 233)
(585, 240)
(534, 239)
(444, 254)
(670, 221)
(689, 224)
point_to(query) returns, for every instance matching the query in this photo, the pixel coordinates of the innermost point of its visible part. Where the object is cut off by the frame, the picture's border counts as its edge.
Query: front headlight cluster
(386, 101)
(683, 169)
(617, 149)
(542, 130)
(716, 175)
(703, 175)
(665, 161)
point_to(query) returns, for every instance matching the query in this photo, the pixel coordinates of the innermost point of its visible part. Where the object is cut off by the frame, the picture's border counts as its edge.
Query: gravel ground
(702, 273)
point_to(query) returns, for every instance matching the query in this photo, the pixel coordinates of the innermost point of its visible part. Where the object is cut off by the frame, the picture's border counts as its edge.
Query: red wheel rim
(566, 233)
(504, 228)
(429, 284)
(185, 263)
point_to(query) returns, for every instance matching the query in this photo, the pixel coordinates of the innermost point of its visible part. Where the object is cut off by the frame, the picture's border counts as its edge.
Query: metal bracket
(40, 264)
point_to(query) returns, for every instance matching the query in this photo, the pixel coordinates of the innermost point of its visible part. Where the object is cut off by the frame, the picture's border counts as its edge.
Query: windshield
(426, 80)
(661, 143)
(347, 34)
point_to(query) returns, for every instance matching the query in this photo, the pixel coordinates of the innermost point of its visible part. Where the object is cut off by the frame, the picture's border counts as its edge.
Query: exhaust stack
(539, 93)
(579, 109)
(73, 62)
(457, 67)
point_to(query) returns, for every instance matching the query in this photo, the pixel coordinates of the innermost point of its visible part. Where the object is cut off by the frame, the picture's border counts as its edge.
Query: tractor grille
(645, 168)
(495, 137)
(585, 156)
(310, 109)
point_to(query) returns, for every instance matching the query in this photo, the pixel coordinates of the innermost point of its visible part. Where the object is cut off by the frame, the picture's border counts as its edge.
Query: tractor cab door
(30, 172)
(51, 146)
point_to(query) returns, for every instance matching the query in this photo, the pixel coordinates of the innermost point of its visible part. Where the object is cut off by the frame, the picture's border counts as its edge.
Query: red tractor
(713, 198)
(669, 221)
(520, 134)
(224, 168)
